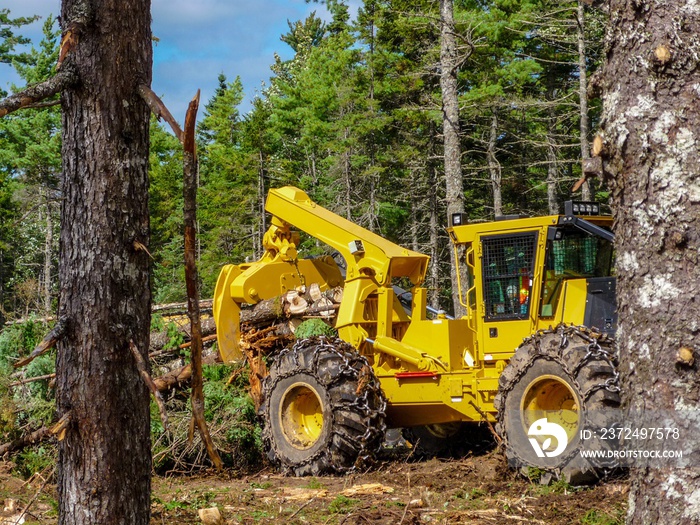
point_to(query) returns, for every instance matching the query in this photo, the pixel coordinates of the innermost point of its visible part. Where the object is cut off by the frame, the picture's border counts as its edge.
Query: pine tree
(30, 145)
(228, 210)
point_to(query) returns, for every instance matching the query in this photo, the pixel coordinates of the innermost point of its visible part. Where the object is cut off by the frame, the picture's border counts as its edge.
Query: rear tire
(567, 376)
(323, 409)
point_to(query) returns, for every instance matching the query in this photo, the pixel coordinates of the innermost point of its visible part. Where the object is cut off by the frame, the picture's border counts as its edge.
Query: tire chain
(353, 366)
(600, 347)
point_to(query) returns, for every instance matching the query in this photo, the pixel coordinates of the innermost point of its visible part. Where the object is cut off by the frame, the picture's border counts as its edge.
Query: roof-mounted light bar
(581, 208)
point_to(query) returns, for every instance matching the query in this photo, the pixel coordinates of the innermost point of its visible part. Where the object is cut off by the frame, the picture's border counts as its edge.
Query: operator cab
(529, 274)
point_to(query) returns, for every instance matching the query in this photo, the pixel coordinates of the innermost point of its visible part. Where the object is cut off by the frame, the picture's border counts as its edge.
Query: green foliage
(230, 414)
(233, 408)
(9, 40)
(166, 205)
(314, 327)
(599, 517)
(41, 366)
(342, 505)
(7, 403)
(30, 164)
(34, 459)
(20, 339)
(314, 483)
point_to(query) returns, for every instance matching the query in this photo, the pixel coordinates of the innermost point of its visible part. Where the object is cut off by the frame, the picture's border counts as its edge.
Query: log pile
(265, 327)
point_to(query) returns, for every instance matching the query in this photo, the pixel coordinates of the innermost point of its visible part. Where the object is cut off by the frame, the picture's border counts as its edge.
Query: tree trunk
(104, 463)
(434, 271)
(48, 256)
(450, 128)
(495, 167)
(552, 172)
(651, 127)
(583, 94)
(261, 223)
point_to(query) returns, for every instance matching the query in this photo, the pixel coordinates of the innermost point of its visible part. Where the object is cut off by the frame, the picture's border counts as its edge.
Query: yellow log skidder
(534, 354)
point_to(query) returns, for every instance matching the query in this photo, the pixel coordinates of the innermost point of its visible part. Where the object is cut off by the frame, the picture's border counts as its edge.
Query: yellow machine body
(432, 369)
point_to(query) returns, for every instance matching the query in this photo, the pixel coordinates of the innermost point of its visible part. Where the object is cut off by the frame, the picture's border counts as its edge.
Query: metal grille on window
(575, 254)
(508, 272)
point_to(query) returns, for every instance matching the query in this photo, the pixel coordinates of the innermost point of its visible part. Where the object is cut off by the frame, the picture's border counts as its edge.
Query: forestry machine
(533, 358)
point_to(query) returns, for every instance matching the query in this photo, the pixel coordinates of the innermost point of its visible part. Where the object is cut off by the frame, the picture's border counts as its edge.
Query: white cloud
(199, 40)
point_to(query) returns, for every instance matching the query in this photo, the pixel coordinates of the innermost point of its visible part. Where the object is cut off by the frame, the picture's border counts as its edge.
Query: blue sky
(197, 41)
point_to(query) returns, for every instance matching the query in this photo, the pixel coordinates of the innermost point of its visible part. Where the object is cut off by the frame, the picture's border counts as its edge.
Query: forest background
(354, 119)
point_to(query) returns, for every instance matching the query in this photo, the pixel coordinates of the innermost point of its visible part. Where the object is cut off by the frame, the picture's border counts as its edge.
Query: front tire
(564, 378)
(323, 408)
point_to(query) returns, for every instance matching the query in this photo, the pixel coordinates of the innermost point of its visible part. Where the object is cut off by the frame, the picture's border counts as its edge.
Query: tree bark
(495, 167)
(48, 255)
(104, 463)
(552, 172)
(190, 169)
(434, 227)
(449, 61)
(651, 159)
(584, 125)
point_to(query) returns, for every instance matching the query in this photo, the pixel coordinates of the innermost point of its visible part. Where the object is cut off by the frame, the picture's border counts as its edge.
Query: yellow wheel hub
(551, 397)
(301, 415)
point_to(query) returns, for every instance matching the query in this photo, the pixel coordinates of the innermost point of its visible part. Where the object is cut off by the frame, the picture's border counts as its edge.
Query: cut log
(160, 339)
(289, 305)
(323, 307)
(204, 304)
(315, 292)
(263, 313)
(295, 304)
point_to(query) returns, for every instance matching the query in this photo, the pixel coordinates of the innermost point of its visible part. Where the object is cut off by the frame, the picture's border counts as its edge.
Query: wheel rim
(301, 416)
(551, 397)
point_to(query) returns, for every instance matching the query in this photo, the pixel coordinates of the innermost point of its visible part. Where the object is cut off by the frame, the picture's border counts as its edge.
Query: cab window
(572, 254)
(508, 263)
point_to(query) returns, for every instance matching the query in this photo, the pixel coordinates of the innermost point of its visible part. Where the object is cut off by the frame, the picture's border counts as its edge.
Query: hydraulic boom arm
(369, 307)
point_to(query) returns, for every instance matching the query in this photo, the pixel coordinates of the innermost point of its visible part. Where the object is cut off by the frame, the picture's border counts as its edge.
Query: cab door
(508, 263)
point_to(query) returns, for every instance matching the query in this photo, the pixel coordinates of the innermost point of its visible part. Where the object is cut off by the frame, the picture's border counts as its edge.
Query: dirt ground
(396, 491)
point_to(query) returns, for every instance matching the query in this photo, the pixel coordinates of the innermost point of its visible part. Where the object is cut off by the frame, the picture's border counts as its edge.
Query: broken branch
(159, 109)
(38, 92)
(141, 366)
(189, 185)
(32, 380)
(25, 441)
(47, 343)
(60, 428)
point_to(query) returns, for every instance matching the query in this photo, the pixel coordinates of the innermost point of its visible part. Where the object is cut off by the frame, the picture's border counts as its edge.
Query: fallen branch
(34, 319)
(203, 304)
(204, 340)
(141, 366)
(159, 109)
(180, 375)
(25, 441)
(498, 438)
(39, 92)
(32, 380)
(302, 507)
(47, 343)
